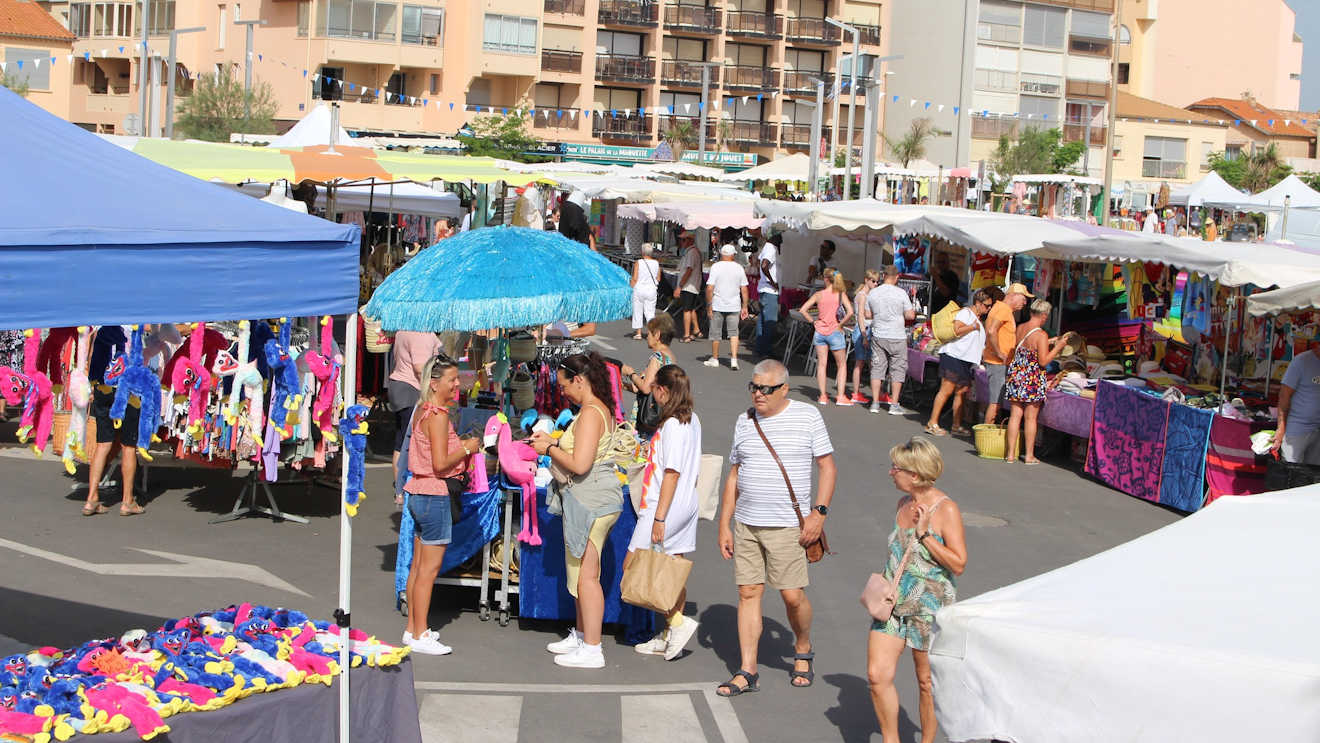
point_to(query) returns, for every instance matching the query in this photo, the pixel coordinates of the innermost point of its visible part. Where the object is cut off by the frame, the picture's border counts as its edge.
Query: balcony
(686, 73)
(1102, 6)
(553, 120)
(666, 121)
(1040, 84)
(1088, 89)
(633, 13)
(569, 7)
(1152, 168)
(803, 82)
(560, 60)
(754, 133)
(986, 127)
(619, 68)
(811, 31)
(798, 136)
(748, 77)
(755, 24)
(622, 128)
(694, 19)
(1077, 133)
(867, 34)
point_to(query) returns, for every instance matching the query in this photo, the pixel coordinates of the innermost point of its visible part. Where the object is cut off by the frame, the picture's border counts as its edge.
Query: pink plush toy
(38, 403)
(117, 700)
(80, 398)
(518, 463)
(325, 367)
(192, 380)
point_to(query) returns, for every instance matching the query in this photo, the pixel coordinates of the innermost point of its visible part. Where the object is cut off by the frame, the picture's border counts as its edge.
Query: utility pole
(1109, 133)
(834, 129)
(852, 101)
(169, 95)
(813, 172)
(142, 73)
(701, 109)
(868, 139)
(247, 74)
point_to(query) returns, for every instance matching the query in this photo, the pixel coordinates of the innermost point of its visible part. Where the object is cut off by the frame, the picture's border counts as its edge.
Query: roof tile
(1248, 111)
(26, 19)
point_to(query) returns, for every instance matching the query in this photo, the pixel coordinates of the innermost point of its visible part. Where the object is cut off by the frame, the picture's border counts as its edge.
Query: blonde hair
(921, 457)
(435, 368)
(872, 275)
(1041, 307)
(840, 284)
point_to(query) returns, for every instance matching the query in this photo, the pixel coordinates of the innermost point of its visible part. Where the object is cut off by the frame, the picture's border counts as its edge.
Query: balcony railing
(1040, 84)
(620, 68)
(754, 23)
(985, 127)
(810, 31)
(686, 73)
(693, 18)
(1077, 133)
(748, 77)
(1163, 169)
(629, 128)
(1103, 6)
(803, 82)
(552, 119)
(571, 7)
(1088, 89)
(640, 13)
(754, 132)
(559, 60)
(867, 34)
(798, 136)
(666, 121)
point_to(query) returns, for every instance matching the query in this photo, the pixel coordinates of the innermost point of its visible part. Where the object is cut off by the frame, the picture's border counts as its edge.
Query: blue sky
(1308, 25)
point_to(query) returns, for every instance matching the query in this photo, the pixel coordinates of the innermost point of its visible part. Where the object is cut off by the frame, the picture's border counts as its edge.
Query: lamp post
(247, 70)
(142, 73)
(817, 113)
(169, 94)
(852, 100)
(701, 109)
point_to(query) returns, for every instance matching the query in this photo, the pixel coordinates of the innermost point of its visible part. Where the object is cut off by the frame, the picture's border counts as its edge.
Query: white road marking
(183, 566)
(599, 340)
(659, 718)
(469, 718)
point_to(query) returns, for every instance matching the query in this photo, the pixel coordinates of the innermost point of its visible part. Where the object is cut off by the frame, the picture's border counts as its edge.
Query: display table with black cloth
(384, 710)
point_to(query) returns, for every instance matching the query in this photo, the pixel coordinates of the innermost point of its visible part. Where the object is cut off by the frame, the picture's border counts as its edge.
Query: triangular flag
(1237, 122)
(121, 49)
(1286, 122)
(671, 109)
(379, 92)
(1271, 122)
(745, 99)
(1157, 121)
(350, 86)
(2, 66)
(558, 112)
(614, 113)
(895, 99)
(1253, 122)
(304, 73)
(687, 108)
(105, 53)
(20, 64)
(758, 97)
(955, 110)
(258, 57)
(912, 102)
(315, 75)
(572, 114)
(87, 56)
(940, 108)
(927, 107)
(451, 106)
(506, 112)
(69, 58)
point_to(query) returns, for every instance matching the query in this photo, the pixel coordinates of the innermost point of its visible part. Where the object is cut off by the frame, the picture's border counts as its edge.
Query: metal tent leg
(246, 504)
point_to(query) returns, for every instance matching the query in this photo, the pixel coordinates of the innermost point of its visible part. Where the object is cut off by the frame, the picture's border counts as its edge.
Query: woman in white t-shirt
(667, 513)
(645, 283)
(958, 361)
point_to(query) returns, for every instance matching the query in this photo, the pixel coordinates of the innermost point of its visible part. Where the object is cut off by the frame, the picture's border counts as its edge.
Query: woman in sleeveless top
(645, 283)
(1024, 387)
(928, 523)
(591, 501)
(437, 458)
(833, 309)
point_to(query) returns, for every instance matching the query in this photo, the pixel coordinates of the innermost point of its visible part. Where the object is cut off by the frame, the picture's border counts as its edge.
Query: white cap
(728, 249)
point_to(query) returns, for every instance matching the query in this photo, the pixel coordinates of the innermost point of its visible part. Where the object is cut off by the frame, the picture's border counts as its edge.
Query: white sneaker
(429, 644)
(679, 637)
(875, 407)
(654, 646)
(566, 645)
(733, 364)
(584, 656)
(896, 409)
(711, 362)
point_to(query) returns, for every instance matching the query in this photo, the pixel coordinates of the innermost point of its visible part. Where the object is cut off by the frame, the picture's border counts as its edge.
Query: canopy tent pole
(1228, 331)
(1063, 283)
(343, 615)
(1269, 357)
(1008, 275)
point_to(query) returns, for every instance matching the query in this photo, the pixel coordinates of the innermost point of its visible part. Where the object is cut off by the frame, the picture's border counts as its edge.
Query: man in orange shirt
(1000, 340)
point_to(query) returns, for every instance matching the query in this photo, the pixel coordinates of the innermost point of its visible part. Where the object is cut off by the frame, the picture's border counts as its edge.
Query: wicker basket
(375, 339)
(59, 430)
(89, 439)
(992, 440)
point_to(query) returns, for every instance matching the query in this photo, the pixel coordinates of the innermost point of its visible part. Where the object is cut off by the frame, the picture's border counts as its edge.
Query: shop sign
(640, 154)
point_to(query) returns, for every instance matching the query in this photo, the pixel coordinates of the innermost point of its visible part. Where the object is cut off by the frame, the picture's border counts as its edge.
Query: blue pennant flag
(350, 86)
(506, 112)
(895, 99)
(451, 106)
(560, 113)
(258, 57)
(641, 111)
(304, 73)
(1237, 122)
(759, 96)
(701, 105)
(20, 64)
(955, 110)
(1271, 122)
(87, 56)
(121, 49)
(671, 109)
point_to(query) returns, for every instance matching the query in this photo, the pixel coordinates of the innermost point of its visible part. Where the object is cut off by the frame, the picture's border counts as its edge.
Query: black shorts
(961, 373)
(401, 420)
(727, 322)
(106, 433)
(688, 302)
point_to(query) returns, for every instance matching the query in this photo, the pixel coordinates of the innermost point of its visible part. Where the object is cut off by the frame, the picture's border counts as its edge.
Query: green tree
(723, 133)
(1035, 151)
(911, 146)
(14, 84)
(1232, 170)
(499, 135)
(1066, 156)
(218, 107)
(1310, 179)
(1253, 172)
(680, 136)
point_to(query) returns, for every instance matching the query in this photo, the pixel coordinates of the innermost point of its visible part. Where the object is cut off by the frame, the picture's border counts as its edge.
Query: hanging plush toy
(192, 381)
(354, 429)
(50, 359)
(286, 392)
(80, 398)
(138, 381)
(248, 380)
(518, 463)
(38, 404)
(325, 367)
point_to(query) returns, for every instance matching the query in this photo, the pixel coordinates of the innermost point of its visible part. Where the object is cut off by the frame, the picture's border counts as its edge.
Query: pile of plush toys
(202, 662)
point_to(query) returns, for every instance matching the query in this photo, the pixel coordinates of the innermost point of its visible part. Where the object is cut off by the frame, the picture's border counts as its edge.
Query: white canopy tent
(679, 169)
(1272, 199)
(399, 197)
(1079, 180)
(795, 167)
(1180, 635)
(1231, 264)
(693, 215)
(638, 190)
(1209, 190)
(1298, 297)
(313, 130)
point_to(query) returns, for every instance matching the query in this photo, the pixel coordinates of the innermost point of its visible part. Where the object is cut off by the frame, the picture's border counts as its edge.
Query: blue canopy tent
(93, 235)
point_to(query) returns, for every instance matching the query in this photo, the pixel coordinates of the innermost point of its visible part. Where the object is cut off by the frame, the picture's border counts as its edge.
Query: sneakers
(711, 362)
(823, 400)
(679, 637)
(860, 399)
(875, 407)
(845, 401)
(583, 656)
(896, 409)
(733, 364)
(654, 646)
(428, 644)
(566, 645)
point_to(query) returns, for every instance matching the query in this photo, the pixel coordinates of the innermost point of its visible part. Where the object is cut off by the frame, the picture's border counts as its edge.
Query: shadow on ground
(46, 620)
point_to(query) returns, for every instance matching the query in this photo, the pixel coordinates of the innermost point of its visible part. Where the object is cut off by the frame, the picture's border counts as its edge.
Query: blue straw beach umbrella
(501, 277)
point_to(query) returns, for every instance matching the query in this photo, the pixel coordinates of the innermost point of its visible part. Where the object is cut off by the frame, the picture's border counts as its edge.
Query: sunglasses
(764, 389)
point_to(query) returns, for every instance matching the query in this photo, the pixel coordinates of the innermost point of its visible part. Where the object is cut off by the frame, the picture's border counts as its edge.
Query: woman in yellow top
(591, 501)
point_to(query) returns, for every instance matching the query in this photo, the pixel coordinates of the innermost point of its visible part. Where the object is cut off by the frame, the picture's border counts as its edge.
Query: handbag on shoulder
(817, 550)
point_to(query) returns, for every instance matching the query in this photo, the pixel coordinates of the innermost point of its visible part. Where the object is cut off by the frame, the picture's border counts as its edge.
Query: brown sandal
(90, 509)
(132, 509)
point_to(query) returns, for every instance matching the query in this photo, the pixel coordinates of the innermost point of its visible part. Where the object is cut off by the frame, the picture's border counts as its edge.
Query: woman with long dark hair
(667, 514)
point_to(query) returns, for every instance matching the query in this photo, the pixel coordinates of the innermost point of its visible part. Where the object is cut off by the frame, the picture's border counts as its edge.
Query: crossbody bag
(819, 548)
(881, 593)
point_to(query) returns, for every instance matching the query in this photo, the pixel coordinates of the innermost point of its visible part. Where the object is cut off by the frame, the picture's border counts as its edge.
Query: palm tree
(1263, 169)
(723, 133)
(680, 136)
(912, 146)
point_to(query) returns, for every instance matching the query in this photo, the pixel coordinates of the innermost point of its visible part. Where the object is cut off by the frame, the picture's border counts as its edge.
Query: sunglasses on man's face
(764, 389)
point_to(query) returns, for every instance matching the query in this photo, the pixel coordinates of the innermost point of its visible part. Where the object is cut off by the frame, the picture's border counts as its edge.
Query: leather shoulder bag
(819, 548)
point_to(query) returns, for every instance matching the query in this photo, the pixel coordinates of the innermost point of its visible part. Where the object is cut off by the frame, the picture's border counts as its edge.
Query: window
(1164, 157)
(804, 61)
(1000, 22)
(92, 20)
(689, 50)
(619, 44)
(396, 90)
(424, 26)
(685, 104)
(1207, 149)
(1124, 36)
(435, 83)
(478, 93)
(1124, 70)
(1044, 27)
(752, 110)
(1039, 112)
(222, 29)
(359, 19)
(747, 55)
(160, 18)
(304, 17)
(238, 12)
(617, 99)
(1090, 25)
(509, 34)
(550, 95)
(1233, 152)
(995, 80)
(798, 113)
(1118, 145)
(30, 66)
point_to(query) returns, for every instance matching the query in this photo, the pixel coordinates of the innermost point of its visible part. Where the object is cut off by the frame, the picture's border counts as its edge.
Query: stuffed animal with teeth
(192, 381)
(286, 391)
(140, 382)
(37, 400)
(325, 367)
(354, 429)
(80, 399)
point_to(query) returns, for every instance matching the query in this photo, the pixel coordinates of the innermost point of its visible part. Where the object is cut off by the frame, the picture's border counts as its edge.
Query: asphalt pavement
(70, 578)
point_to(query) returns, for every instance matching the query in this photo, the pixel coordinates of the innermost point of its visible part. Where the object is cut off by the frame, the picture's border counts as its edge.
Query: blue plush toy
(353, 428)
(140, 382)
(286, 391)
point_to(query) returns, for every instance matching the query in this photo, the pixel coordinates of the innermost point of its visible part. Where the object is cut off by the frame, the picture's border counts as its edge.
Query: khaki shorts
(768, 554)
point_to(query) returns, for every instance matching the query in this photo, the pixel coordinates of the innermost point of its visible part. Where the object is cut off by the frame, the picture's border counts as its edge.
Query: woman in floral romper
(1024, 387)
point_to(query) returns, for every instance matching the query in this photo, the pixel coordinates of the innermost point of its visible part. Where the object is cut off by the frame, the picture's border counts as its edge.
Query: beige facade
(35, 50)
(612, 55)
(1180, 51)
(1154, 144)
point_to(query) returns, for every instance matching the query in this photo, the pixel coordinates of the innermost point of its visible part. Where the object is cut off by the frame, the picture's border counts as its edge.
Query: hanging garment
(1045, 270)
(1196, 305)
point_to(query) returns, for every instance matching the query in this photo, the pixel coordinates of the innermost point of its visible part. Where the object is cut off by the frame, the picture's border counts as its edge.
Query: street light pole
(247, 74)
(852, 101)
(169, 95)
(701, 110)
(142, 74)
(1109, 133)
(813, 172)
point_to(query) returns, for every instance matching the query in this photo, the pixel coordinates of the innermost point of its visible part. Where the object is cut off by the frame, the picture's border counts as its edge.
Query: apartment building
(396, 66)
(1157, 144)
(29, 40)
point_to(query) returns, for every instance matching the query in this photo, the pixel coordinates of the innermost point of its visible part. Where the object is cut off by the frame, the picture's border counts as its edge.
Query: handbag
(880, 593)
(375, 339)
(819, 548)
(654, 580)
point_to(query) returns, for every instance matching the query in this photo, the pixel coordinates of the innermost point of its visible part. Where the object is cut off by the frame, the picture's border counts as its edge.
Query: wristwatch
(822, 510)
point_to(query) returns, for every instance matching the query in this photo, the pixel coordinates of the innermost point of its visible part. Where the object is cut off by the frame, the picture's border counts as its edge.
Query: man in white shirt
(768, 289)
(759, 524)
(726, 300)
(888, 311)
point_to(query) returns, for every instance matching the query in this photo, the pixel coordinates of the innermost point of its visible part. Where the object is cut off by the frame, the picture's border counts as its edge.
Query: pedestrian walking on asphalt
(767, 288)
(833, 310)
(659, 334)
(688, 291)
(959, 359)
(667, 514)
(645, 284)
(759, 528)
(590, 501)
(861, 334)
(929, 524)
(1025, 388)
(437, 458)
(1000, 337)
(726, 302)
(888, 311)
(109, 342)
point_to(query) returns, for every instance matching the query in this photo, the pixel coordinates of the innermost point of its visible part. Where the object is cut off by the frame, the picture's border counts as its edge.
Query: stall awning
(1209, 190)
(1293, 189)
(1231, 264)
(638, 190)
(399, 197)
(692, 215)
(795, 167)
(1294, 298)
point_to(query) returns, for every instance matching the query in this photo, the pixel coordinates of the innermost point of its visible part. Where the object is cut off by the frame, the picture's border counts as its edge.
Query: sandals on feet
(961, 431)
(734, 689)
(132, 509)
(92, 509)
(809, 674)
(935, 430)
